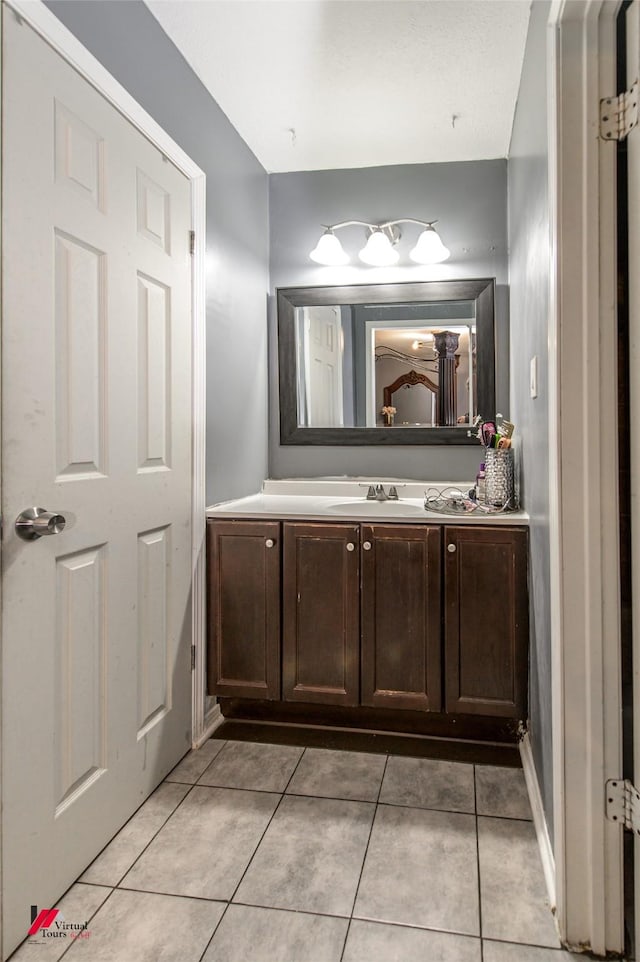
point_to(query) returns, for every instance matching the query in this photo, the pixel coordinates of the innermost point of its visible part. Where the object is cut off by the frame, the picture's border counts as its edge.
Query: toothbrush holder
(499, 475)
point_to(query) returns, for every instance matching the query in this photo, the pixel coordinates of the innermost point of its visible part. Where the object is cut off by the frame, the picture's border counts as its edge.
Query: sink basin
(382, 508)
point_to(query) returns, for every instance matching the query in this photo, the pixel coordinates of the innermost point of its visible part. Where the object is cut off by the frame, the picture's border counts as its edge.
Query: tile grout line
(282, 796)
(429, 808)
(155, 835)
(240, 788)
(295, 769)
(182, 761)
(195, 784)
(91, 917)
(215, 929)
(226, 902)
(170, 895)
(559, 949)
(355, 897)
(343, 798)
(177, 781)
(235, 788)
(253, 855)
(475, 810)
(270, 908)
(114, 887)
(414, 926)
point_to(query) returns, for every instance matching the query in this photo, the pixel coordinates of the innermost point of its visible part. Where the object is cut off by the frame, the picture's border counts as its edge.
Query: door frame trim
(60, 38)
(584, 519)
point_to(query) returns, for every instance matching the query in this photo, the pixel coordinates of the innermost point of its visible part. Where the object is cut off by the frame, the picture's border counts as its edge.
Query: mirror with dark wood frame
(347, 378)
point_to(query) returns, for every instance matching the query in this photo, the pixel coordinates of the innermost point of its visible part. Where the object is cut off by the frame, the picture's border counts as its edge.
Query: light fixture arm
(389, 223)
(379, 250)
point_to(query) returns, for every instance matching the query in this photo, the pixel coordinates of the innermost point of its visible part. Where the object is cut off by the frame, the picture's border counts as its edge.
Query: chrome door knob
(451, 548)
(351, 547)
(269, 542)
(36, 523)
(367, 546)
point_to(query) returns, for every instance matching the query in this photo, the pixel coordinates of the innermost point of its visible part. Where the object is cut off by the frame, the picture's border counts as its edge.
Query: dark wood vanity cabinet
(243, 602)
(321, 613)
(401, 616)
(486, 624)
(425, 618)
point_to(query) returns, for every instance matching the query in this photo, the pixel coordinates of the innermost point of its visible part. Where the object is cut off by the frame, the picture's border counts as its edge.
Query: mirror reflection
(397, 366)
(405, 363)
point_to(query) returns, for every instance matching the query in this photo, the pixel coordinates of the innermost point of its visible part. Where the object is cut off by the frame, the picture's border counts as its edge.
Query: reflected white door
(324, 367)
(96, 425)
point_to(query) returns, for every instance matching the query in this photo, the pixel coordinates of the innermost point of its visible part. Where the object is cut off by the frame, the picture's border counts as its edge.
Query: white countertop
(344, 499)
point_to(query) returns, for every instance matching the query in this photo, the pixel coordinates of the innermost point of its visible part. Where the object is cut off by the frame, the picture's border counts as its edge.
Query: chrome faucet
(376, 492)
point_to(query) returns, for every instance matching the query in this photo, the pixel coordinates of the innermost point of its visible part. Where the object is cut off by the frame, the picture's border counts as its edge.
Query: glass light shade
(429, 248)
(329, 251)
(378, 251)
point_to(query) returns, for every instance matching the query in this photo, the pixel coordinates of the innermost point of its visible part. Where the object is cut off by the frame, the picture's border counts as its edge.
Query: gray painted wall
(470, 200)
(127, 39)
(529, 284)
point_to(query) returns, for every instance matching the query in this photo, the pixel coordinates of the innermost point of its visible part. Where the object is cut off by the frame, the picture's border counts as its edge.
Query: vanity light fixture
(379, 249)
(429, 248)
(329, 250)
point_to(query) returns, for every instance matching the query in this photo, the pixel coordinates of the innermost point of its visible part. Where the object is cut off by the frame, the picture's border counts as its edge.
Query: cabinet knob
(351, 546)
(367, 546)
(451, 548)
(269, 542)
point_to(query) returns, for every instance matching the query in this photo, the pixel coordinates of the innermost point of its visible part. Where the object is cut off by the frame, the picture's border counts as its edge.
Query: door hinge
(623, 804)
(192, 242)
(619, 115)
(193, 657)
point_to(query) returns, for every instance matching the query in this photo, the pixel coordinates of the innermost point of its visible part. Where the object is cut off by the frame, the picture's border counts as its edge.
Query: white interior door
(324, 367)
(633, 148)
(96, 426)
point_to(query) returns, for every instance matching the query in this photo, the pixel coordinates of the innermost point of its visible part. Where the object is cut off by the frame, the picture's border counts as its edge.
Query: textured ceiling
(312, 84)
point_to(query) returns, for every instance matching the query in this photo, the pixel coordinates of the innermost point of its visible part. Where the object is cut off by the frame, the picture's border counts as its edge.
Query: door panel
(96, 391)
(401, 617)
(321, 616)
(80, 341)
(79, 709)
(244, 608)
(154, 375)
(154, 640)
(486, 620)
(323, 360)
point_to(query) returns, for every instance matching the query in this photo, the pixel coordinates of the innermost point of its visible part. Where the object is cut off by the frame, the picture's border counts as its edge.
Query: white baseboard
(213, 720)
(539, 820)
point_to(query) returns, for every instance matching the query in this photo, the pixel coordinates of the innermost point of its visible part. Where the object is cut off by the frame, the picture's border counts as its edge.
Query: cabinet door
(486, 620)
(401, 616)
(321, 601)
(243, 565)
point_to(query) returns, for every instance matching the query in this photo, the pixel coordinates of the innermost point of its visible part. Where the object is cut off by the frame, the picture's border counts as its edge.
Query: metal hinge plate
(192, 242)
(193, 657)
(623, 804)
(619, 115)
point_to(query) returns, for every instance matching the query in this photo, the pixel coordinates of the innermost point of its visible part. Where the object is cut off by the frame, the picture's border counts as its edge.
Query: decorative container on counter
(499, 477)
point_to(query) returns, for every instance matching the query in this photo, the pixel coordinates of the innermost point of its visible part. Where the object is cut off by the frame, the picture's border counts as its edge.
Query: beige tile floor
(269, 853)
